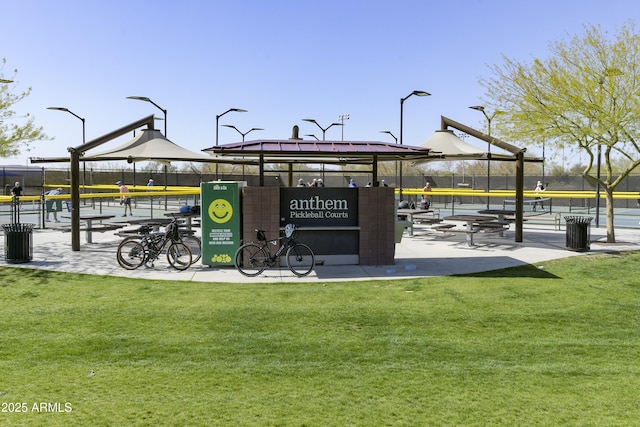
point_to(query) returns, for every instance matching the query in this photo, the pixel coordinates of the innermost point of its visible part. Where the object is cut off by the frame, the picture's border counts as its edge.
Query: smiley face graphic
(220, 211)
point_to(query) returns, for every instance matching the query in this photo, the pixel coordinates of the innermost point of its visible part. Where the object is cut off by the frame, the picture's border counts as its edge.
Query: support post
(261, 167)
(519, 195)
(74, 158)
(75, 199)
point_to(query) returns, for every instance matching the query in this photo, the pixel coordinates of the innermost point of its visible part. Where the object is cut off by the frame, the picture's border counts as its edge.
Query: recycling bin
(18, 242)
(578, 233)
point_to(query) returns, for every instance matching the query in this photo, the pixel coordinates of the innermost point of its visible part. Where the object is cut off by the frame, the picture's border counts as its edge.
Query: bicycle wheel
(131, 254)
(300, 259)
(179, 256)
(251, 259)
(194, 245)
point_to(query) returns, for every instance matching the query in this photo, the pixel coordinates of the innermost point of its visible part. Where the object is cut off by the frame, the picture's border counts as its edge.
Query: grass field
(557, 345)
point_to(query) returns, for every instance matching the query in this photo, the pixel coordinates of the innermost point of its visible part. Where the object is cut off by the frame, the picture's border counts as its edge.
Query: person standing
(16, 191)
(53, 205)
(125, 199)
(150, 184)
(426, 198)
(352, 183)
(538, 195)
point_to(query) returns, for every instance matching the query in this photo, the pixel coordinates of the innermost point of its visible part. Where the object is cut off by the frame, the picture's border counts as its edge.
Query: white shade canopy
(445, 145)
(150, 144)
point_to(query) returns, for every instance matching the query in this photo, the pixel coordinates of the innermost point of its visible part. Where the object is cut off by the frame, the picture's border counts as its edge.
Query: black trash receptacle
(578, 233)
(18, 242)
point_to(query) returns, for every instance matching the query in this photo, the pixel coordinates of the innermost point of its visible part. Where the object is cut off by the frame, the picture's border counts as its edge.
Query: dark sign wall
(319, 206)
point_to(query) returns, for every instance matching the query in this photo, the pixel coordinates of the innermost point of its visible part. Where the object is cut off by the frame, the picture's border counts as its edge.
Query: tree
(16, 132)
(585, 95)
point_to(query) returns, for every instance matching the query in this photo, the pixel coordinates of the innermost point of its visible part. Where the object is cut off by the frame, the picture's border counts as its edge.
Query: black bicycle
(147, 248)
(253, 258)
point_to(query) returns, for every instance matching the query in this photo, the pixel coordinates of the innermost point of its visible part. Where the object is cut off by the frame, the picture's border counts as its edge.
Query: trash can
(18, 242)
(578, 233)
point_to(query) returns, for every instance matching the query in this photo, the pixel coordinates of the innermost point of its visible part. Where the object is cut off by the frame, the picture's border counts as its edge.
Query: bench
(101, 228)
(97, 228)
(442, 227)
(428, 216)
(539, 217)
(128, 233)
(493, 227)
(427, 219)
(450, 228)
(411, 214)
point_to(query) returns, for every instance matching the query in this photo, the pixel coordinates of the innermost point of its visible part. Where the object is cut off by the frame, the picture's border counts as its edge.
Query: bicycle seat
(260, 235)
(144, 229)
(289, 229)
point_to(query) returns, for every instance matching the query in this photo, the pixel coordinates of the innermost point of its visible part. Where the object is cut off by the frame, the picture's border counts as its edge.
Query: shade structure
(449, 147)
(150, 144)
(312, 151)
(296, 150)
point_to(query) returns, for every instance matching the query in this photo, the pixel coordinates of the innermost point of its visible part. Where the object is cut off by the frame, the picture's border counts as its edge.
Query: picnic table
(501, 214)
(408, 214)
(91, 227)
(470, 224)
(154, 223)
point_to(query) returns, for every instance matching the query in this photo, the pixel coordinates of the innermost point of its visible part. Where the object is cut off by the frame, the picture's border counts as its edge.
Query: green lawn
(523, 346)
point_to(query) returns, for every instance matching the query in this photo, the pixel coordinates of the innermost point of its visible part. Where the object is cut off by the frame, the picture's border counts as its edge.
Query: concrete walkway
(426, 253)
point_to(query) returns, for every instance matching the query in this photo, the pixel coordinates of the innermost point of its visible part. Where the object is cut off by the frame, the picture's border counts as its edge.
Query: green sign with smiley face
(220, 222)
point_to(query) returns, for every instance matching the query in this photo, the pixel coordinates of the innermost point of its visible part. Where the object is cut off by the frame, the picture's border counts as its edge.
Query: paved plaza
(425, 253)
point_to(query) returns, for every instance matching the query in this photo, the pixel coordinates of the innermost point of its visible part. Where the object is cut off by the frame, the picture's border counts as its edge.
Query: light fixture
(324, 130)
(146, 99)
(416, 93)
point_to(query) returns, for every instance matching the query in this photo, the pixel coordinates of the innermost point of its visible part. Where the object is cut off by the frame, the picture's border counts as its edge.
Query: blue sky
(282, 60)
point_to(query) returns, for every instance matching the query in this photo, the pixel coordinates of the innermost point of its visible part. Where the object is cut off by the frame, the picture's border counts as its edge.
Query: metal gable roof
(299, 149)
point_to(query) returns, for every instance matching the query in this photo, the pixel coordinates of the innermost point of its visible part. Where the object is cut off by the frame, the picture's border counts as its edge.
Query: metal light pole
(164, 112)
(236, 110)
(324, 130)
(392, 135)
(243, 134)
(489, 118)
(75, 194)
(396, 139)
(544, 159)
(84, 164)
(342, 118)
(417, 93)
(74, 114)
(312, 136)
(145, 99)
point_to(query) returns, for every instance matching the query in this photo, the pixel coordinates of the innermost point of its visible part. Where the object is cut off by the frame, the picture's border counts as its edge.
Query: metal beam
(445, 122)
(517, 152)
(75, 154)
